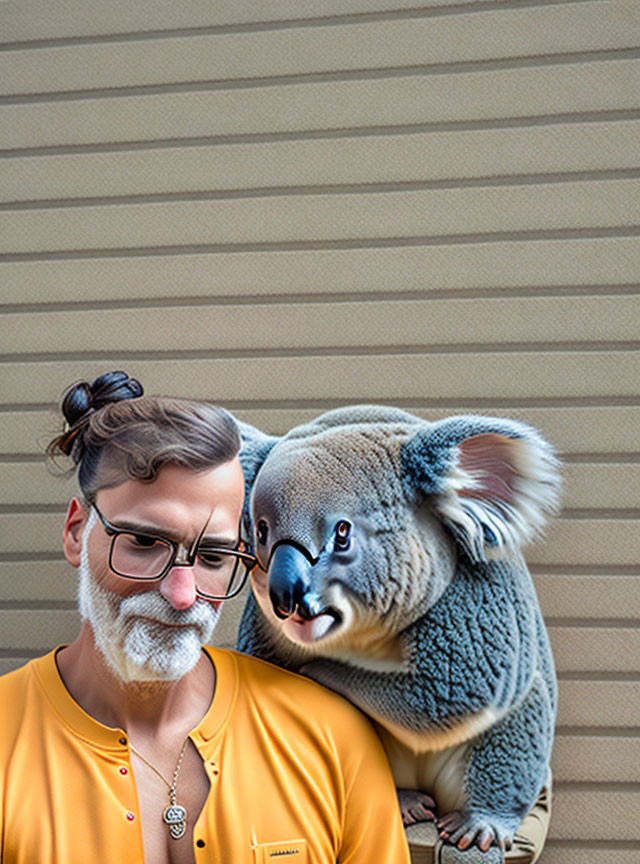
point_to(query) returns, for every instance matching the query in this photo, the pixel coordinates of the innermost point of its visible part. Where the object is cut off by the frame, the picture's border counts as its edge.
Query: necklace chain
(175, 816)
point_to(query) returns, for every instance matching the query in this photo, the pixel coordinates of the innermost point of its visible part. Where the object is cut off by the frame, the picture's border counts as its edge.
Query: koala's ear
(490, 480)
(254, 449)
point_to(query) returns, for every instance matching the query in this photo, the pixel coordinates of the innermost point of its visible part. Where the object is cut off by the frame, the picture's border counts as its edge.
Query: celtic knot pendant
(175, 816)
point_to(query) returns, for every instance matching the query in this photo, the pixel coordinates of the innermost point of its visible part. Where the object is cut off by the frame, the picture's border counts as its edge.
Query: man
(136, 743)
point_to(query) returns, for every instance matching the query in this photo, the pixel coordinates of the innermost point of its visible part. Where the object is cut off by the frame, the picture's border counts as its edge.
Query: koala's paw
(416, 806)
(461, 829)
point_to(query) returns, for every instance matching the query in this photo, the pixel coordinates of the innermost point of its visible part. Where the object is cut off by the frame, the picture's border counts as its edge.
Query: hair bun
(113, 387)
(82, 399)
(76, 402)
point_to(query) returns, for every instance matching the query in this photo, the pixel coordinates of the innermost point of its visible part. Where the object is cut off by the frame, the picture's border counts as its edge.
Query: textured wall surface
(291, 206)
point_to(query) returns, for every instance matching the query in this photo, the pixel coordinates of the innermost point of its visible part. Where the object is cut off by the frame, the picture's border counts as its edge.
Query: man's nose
(179, 588)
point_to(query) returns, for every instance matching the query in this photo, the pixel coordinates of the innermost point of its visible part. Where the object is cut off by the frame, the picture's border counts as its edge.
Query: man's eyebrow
(141, 528)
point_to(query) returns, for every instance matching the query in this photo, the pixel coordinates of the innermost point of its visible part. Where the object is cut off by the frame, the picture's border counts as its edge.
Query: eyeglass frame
(250, 561)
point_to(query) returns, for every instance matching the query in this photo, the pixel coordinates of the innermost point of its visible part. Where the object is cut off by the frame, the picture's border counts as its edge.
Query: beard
(142, 637)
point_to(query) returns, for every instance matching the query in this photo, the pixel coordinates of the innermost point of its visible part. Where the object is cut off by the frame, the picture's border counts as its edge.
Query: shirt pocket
(285, 852)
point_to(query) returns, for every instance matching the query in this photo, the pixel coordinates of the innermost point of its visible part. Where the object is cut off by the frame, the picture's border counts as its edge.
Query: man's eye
(211, 559)
(142, 541)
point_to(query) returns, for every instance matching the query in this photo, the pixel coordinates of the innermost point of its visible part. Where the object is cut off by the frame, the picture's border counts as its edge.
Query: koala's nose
(289, 580)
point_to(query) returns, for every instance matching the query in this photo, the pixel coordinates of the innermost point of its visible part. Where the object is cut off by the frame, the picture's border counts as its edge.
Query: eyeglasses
(219, 573)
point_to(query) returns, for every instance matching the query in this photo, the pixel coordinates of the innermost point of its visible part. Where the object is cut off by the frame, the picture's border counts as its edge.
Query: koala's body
(391, 573)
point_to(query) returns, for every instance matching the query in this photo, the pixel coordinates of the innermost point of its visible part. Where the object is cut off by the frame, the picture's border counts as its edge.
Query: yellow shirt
(297, 775)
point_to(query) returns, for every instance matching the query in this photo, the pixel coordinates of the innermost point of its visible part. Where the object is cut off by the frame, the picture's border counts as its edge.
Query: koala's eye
(342, 541)
(262, 531)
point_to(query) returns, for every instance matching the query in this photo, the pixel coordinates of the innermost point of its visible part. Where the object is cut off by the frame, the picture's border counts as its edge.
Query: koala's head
(358, 518)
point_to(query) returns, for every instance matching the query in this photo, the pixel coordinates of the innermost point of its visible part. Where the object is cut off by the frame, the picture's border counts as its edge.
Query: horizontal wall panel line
(331, 351)
(600, 458)
(34, 406)
(372, 74)
(30, 557)
(608, 513)
(397, 220)
(584, 570)
(603, 731)
(632, 677)
(422, 404)
(330, 134)
(435, 11)
(489, 181)
(38, 605)
(221, 300)
(322, 245)
(19, 652)
(384, 159)
(611, 623)
(603, 788)
(504, 33)
(603, 845)
(34, 509)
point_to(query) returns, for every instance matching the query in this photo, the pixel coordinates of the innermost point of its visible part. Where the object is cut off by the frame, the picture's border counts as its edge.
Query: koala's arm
(506, 771)
(508, 766)
(473, 652)
(396, 700)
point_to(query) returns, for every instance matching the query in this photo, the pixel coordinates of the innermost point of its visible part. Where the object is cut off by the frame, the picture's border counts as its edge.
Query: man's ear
(73, 530)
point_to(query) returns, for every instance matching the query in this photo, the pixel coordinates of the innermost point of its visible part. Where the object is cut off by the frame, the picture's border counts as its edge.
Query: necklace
(174, 815)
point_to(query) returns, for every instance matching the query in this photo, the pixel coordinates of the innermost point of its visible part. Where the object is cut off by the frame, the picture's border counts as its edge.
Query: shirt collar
(86, 727)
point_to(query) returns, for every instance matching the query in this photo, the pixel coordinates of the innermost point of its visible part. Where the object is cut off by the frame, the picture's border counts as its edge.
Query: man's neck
(143, 709)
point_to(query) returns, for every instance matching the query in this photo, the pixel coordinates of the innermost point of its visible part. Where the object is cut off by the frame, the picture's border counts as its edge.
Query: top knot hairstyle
(114, 433)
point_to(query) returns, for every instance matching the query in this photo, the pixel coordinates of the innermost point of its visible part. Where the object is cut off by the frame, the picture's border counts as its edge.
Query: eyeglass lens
(215, 573)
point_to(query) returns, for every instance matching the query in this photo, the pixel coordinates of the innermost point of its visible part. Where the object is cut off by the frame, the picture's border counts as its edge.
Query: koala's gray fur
(424, 615)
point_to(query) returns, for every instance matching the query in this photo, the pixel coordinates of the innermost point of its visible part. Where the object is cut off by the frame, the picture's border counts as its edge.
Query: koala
(390, 572)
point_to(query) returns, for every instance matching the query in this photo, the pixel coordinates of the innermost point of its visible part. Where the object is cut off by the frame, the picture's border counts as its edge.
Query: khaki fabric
(426, 847)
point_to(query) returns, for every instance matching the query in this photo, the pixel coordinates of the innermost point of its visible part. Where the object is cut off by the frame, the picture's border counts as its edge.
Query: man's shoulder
(262, 673)
(298, 695)
(16, 695)
(17, 679)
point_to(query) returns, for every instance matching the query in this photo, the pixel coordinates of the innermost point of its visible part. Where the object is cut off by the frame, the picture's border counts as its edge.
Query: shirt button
(124, 770)
(200, 843)
(131, 816)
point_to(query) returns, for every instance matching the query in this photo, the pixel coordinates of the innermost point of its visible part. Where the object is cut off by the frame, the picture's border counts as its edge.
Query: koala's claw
(416, 806)
(461, 829)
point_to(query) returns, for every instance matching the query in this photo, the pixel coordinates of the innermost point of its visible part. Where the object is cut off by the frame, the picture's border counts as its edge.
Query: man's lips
(174, 625)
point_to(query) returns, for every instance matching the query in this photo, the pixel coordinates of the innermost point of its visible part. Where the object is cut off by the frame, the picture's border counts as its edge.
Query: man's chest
(191, 793)
(248, 801)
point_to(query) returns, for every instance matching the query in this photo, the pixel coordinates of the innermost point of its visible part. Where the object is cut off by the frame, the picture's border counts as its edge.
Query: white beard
(142, 637)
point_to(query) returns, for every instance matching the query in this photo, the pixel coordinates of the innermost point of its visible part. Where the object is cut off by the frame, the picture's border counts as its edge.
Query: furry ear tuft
(491, 480)
(254, 449)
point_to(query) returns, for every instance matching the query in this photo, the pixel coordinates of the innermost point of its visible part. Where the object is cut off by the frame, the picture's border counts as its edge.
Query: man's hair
(114, 433)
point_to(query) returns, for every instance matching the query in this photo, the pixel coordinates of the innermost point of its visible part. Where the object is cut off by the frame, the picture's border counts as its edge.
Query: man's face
(154, 631)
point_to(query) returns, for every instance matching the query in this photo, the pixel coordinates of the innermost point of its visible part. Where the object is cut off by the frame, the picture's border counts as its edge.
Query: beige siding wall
(290, 206)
